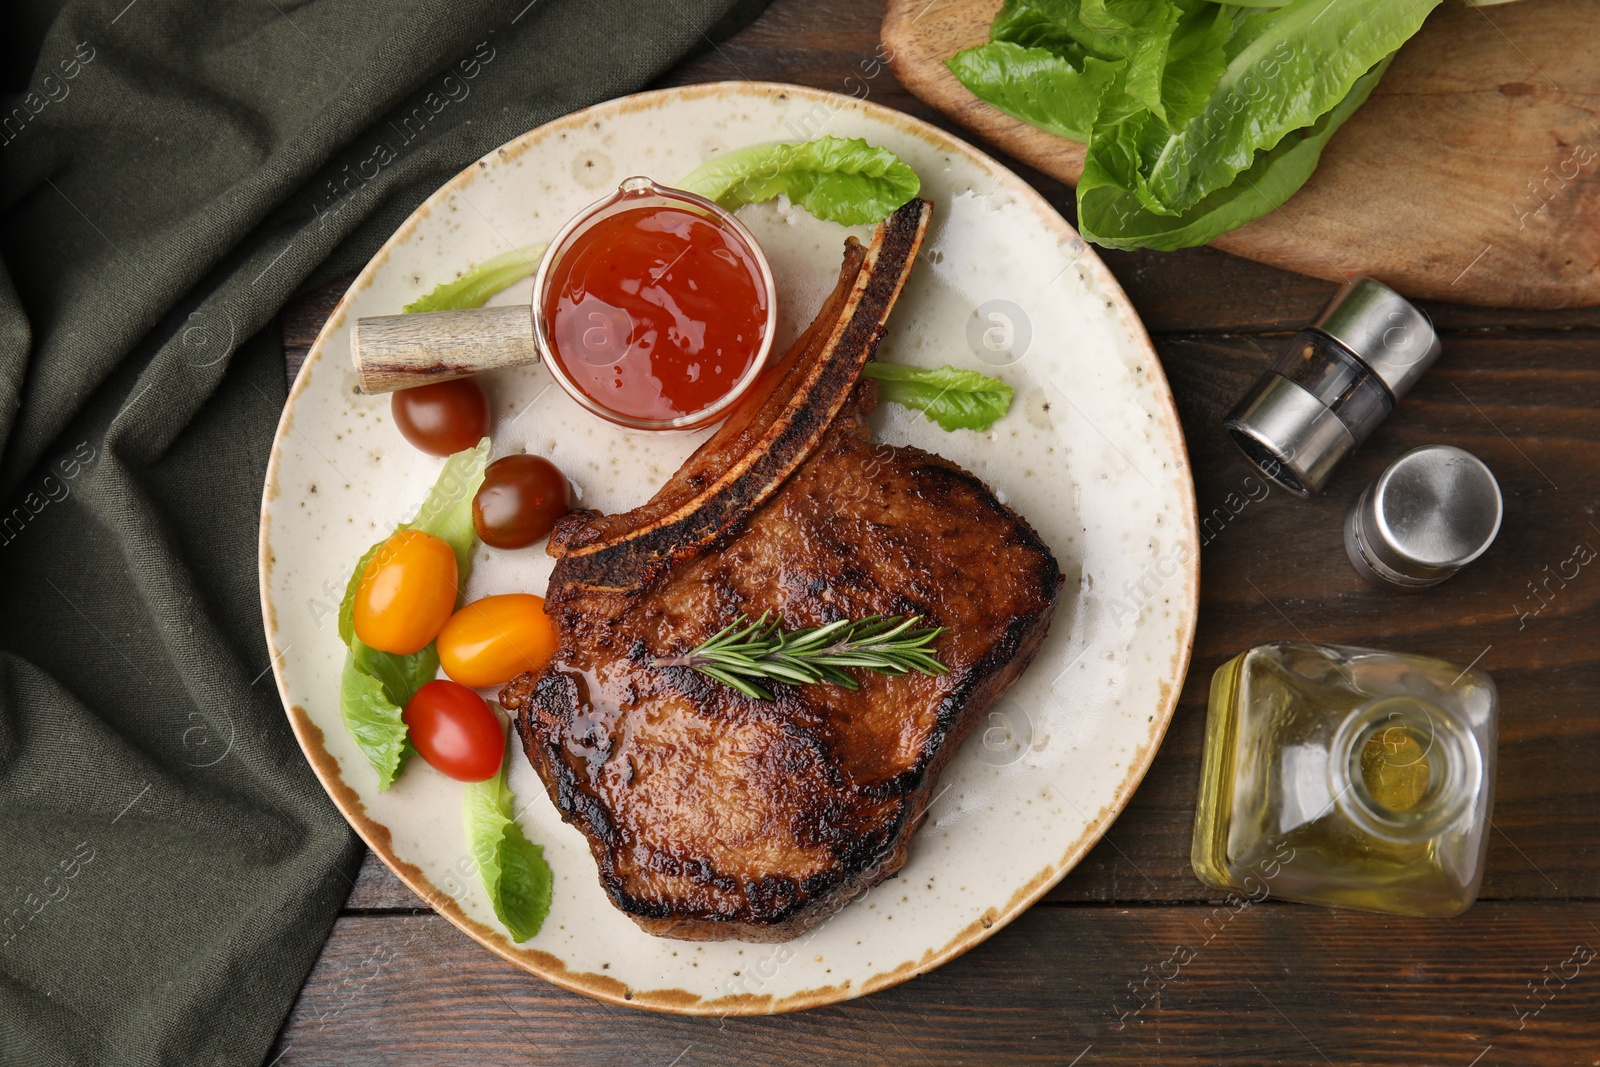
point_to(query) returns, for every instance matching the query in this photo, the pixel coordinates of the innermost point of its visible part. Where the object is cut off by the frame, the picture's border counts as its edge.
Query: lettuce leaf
(1204, 115)
(1051, 61)
(1036, 85)
(1112, 217)
(400, 676)
(1299, 63)
(1057, 25)
(955, 399)
(845, 181)
(373, 721)
(447, 512)
(513, 869)
(347, 629)
(1196, 60)
(474, 288)
(1140, 32)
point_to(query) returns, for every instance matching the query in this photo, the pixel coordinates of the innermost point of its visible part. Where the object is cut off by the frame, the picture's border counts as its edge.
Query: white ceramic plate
(1091, 454)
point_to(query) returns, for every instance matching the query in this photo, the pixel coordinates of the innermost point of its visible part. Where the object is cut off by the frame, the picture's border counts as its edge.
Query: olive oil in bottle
(1347, 777)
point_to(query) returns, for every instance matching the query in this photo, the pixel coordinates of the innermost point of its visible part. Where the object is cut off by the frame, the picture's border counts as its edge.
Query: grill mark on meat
(711, 815)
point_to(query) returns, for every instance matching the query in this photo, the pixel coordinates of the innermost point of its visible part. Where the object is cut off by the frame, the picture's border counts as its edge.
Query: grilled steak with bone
(716, 816)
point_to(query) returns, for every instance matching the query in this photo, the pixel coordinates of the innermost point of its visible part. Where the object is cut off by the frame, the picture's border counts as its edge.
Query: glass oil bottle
(1347, 777)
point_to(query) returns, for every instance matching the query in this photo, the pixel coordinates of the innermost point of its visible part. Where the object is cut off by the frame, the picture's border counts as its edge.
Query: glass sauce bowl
(654, 308)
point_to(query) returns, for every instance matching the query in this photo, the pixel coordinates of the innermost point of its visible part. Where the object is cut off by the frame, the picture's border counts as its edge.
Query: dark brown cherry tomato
(519, 501)
(442, 418)
(454, 730)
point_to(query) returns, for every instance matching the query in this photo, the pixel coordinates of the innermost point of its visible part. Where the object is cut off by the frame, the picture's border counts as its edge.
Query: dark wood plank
(305, 314)
(303, 319)
(377, 889)
(1204, 290)
(1236, 983)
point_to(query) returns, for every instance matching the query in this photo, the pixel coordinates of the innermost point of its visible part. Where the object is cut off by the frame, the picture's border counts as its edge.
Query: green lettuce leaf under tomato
(376, 685)
(447, 512)
(842, 180)
(513, 869)
(474, 288)
(347, 630)
(1205, 114)
(400, 676)
(373, 721)
(373, 690)
(955, 399)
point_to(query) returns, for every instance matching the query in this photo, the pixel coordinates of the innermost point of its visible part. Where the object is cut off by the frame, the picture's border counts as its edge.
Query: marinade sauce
(656, 312)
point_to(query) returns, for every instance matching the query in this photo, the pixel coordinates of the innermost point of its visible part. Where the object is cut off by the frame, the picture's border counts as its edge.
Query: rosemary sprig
(746, 653)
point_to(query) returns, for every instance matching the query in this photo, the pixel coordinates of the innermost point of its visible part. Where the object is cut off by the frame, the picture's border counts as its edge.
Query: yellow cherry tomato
(407, 591)
(491, 641)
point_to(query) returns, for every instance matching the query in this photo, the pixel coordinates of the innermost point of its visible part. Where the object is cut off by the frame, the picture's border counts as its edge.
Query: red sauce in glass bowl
(657, 311)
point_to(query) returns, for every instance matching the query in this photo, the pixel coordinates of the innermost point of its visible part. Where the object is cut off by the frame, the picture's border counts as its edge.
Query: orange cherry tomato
(407, 592)
(454, 730)
(491, 641)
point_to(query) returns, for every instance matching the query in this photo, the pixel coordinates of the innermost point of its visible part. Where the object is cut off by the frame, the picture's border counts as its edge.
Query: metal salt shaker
(1433, 511)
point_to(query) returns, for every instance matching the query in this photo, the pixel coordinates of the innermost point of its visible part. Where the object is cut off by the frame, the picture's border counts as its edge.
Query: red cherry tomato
(519, 501)
(454, 730)
(442, 418)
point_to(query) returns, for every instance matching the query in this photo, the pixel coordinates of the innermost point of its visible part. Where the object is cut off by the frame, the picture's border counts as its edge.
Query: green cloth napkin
(171, 173)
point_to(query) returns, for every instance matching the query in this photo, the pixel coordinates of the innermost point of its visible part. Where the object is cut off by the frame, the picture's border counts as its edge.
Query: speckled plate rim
(603, 987)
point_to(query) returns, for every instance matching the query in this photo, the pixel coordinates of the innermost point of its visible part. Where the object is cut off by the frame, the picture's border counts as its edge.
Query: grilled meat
(715, 816)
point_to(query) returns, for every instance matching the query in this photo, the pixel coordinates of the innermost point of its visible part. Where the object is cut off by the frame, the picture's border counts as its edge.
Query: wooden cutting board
(1472, 174)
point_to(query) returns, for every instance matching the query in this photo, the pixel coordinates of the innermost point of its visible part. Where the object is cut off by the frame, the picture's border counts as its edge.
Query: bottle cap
(1433, 511)
(1389, 333)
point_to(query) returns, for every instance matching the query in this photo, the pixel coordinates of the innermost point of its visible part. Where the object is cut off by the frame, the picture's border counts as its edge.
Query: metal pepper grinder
(1335, 382)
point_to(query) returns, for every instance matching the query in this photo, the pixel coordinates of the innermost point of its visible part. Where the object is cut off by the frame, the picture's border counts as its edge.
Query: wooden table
(1081, 978)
